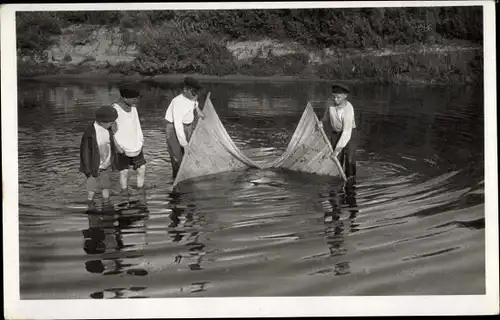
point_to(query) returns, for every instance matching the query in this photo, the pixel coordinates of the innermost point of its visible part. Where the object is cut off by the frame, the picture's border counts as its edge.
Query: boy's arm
(165, 117)
(114, 128)
(198, 110)
(117, 146)
(346, 131)
(179, 126)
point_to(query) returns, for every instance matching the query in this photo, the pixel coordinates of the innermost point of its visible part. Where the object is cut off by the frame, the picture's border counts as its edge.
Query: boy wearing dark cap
(340, 126)
(179, 121)
(97, 153)
(129, 137)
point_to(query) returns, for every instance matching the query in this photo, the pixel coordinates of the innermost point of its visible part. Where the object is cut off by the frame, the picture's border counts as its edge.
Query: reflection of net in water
(211, 149)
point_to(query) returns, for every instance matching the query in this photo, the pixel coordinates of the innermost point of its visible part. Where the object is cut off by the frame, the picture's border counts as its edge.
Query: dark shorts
(124, 162)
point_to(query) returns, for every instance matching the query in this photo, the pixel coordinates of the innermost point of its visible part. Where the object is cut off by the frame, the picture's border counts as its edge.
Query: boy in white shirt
(179, 121)
(340, 126)
(129, 137)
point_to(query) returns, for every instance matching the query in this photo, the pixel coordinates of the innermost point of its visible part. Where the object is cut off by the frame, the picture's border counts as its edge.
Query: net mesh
(211, 150)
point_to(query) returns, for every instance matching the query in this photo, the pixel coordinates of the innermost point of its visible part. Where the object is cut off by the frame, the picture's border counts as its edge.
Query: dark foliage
(183, 41)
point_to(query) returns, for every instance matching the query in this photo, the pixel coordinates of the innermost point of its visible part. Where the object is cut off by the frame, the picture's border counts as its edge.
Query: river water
(413, 224)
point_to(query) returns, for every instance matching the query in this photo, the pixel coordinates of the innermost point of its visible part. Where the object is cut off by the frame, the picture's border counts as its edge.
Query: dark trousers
(347, 156)
(175, 150)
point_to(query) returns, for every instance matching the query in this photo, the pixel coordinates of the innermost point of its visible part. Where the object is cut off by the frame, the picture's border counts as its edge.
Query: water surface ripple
(413, 224)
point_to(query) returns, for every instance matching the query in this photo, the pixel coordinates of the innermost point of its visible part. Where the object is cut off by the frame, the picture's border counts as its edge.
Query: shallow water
(413, 224)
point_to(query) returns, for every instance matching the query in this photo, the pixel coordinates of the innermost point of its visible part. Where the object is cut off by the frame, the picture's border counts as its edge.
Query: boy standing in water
(341, 128)
(97, 154)
(129, 137)
(179, 121)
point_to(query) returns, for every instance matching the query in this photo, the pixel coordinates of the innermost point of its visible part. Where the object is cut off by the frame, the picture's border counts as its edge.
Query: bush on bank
(184, 41)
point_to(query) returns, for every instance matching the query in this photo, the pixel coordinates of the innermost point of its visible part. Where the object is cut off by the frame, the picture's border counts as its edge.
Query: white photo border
(238, 307)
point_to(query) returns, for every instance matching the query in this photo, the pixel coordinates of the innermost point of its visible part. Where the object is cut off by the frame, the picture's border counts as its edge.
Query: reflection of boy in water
(195, 248)
(340, 126)
(339, 199)
(335, 231)
(103, 235)
(96, 240)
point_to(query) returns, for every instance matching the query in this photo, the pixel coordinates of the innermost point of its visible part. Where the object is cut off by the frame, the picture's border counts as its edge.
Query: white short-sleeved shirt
(181, 112)
(181, 108)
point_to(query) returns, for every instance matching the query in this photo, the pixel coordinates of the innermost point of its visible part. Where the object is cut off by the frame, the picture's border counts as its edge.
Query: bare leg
(106, 184)
(91, 187)
(105, 194)
(124, 185)
(141, 172)
(124, 179)
(106, 202)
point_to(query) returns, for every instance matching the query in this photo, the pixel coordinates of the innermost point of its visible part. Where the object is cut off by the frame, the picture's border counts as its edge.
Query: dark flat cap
(339, 88)
(192, 83)
(106, 114)
(128, 90)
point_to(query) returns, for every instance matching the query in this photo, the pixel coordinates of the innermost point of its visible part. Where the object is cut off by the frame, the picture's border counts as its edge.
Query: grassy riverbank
(462, 66)
(386, 45)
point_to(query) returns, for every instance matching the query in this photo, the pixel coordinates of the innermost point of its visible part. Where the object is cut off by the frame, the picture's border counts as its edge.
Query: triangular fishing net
(211, 150)
(309, 149)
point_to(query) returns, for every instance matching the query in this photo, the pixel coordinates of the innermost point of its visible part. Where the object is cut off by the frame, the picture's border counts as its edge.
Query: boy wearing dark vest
(97, 154)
